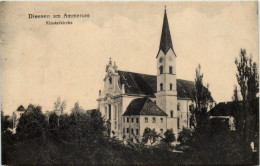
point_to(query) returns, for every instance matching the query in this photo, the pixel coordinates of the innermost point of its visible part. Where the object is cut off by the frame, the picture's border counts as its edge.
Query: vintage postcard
(129, 83)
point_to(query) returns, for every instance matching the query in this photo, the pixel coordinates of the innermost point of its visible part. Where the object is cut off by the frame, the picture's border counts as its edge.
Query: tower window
(137, 132)
(161, 69)
(161, 86)
(110, 80)
(178, 106)
(171, 114)
(170, 69)
(170, 86)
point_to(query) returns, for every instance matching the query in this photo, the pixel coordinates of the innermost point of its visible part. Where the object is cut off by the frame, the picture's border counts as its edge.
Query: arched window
(161, 69)
(110, 80)
(170, 69)
(171, 114)
(170, 86)
(161, 86)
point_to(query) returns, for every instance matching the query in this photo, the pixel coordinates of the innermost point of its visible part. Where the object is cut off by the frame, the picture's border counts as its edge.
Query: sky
(40, 62)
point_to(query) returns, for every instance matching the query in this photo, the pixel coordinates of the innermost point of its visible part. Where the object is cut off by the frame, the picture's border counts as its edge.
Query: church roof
(138, 83)
(143, 106)
(166, 40)
(143, 84)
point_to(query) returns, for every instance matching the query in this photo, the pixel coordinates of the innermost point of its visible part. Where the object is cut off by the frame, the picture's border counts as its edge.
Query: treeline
(82, 138)
(76, 138)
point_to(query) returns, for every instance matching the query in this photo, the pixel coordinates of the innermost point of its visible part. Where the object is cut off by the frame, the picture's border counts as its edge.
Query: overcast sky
(42, 62)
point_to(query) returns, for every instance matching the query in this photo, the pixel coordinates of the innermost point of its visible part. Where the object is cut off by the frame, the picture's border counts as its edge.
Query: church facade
(133, 101)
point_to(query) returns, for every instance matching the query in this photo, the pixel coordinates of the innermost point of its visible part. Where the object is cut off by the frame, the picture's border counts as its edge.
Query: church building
(133, 101)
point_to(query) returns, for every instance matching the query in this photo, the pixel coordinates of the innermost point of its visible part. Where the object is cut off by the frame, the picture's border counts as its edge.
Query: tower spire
(166, 40)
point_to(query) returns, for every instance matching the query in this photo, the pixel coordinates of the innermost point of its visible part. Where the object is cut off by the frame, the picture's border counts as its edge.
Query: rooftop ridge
(151, 75)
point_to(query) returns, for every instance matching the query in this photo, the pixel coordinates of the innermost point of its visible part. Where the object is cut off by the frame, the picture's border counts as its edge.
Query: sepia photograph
(129, 83)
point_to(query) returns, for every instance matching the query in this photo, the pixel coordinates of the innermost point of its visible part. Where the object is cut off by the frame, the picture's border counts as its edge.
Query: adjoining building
(222, 115)
(127, 94)
(142, 113)
(16, 116)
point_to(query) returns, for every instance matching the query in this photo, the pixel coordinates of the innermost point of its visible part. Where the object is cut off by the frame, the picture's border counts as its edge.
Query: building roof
(223, 109)
(143, 106)
(166, 40)
(21, 108)
(143, 84)
(230, 108)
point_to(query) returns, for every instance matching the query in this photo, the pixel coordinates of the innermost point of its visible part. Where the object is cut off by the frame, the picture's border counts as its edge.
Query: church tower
(166, 77)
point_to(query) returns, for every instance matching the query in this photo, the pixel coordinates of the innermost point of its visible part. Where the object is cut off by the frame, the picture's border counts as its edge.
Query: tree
(247, 77)
(185, 137)
(149, 135)
(201, 97)
(169, 136)
(7, 137)
(6, 122)
(59, 107)
(31, 124)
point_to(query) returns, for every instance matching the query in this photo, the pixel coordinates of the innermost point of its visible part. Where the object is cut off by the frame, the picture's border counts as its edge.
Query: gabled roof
(21, 108)
(166, 40)
(143, 84)
(143, 106)
(225, 108)
(229, 108)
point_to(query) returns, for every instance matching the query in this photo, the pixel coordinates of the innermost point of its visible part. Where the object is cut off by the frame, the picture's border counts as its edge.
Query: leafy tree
(185, 137)
(169, 136)
(7, 137)
(246, 117)
(31, 124)
(6, 122)
(201, 97)
(59, 107)
(149, 135)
